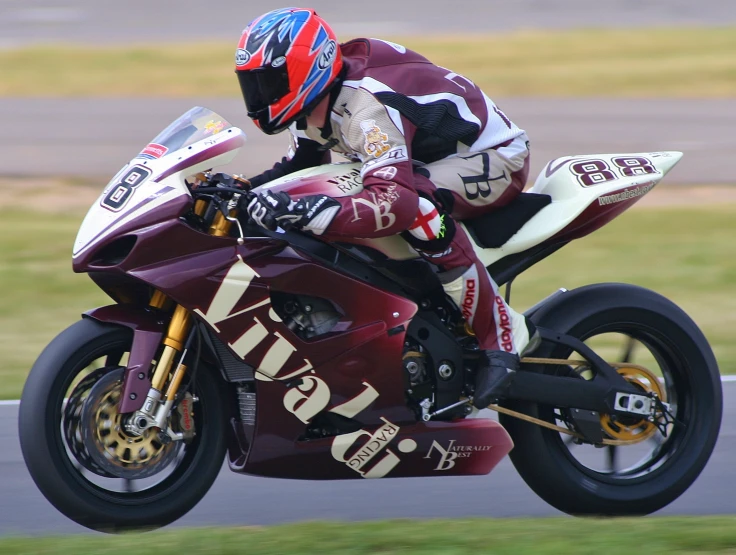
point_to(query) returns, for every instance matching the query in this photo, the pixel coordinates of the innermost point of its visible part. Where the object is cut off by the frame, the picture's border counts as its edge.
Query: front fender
(149, 328)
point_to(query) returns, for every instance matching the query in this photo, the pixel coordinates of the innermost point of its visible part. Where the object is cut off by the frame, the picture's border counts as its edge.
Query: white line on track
(14, 402)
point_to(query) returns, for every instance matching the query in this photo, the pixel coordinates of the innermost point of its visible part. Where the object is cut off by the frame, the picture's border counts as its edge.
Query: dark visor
(263, 86)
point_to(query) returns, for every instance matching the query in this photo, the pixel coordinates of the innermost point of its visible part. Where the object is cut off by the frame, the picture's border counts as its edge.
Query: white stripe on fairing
(16, 402)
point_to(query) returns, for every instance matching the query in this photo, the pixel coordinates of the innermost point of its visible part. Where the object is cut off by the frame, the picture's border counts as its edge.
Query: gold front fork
(158, 404)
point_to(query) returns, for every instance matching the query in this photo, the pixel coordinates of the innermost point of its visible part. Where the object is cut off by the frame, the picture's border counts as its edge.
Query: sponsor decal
(626, 194)
(390, 195)
(278, 62)
(365, 452)
(448, 456)
(312, 211)
(328, 55)
(479, 186)
(469, 299)
(435, 254)
(213, 127)
(242, 57)
(347, 182)
(381, 211)
(506, 338)
(375, 139)
(186, 414)
(153, 150)
(393, 156)
(387, 173)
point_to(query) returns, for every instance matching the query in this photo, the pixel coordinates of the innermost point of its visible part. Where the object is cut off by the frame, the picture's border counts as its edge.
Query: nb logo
(447, 456)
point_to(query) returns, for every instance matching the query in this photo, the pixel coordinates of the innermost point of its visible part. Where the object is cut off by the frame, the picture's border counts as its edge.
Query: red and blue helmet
(287, 61)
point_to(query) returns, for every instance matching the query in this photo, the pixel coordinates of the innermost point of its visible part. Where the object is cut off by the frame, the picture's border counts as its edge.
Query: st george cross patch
(428, 224)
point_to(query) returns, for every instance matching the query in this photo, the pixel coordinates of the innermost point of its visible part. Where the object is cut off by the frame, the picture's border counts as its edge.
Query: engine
(307, 317)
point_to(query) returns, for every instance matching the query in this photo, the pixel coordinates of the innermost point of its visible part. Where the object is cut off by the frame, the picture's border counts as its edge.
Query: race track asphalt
(245, 500)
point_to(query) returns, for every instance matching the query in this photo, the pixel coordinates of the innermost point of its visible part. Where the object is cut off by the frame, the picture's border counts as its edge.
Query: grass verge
(429, 537)
(680, 253)
(686, 62)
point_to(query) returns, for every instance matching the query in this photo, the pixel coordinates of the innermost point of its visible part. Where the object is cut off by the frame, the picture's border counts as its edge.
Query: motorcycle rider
(433, 148)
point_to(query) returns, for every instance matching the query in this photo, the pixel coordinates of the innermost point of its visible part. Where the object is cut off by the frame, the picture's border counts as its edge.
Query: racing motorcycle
(299, 358)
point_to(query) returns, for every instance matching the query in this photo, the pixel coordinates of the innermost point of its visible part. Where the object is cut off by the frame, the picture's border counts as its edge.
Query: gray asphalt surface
(95, 137)
(246, 500)
(105, 21)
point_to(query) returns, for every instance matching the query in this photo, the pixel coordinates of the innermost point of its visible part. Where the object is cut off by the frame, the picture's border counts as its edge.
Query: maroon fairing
(354, 370)
(358, 356)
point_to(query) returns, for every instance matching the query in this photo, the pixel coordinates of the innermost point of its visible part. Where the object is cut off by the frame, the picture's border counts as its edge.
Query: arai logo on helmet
(242, 57)
(278, 62)
(329, 53)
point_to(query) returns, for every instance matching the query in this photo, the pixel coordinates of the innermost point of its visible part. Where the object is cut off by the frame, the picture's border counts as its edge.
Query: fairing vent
(235, 370)
(114, 253)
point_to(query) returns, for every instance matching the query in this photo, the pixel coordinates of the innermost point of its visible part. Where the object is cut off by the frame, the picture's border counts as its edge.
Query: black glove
(311, 213)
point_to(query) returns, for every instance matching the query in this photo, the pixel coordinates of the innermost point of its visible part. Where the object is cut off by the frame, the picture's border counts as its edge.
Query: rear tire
(542, 457)
(64, 479)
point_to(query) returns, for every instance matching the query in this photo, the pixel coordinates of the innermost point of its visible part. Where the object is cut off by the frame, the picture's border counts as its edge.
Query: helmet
(286, 62)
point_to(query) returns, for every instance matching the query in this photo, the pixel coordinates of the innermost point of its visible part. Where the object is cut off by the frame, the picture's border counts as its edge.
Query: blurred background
(85, 84)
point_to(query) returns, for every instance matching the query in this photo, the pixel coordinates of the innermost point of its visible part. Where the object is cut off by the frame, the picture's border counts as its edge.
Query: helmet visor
(262, 87)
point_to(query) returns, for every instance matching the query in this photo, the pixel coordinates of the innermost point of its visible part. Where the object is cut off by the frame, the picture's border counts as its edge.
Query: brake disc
(110, 447)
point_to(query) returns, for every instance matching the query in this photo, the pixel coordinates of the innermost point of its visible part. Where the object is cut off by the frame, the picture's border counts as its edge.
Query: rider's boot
(502, 332)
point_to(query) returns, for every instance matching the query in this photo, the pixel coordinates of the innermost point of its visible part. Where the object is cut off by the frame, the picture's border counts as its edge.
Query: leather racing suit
(433, 148)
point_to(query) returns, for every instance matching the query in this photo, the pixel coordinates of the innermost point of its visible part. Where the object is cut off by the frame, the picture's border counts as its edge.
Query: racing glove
(311, 213)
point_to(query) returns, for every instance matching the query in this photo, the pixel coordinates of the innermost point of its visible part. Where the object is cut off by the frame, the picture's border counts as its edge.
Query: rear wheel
(638, 329)
(78, 452)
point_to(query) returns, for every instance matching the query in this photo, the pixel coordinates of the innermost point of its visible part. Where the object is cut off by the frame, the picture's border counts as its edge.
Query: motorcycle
(297, 358)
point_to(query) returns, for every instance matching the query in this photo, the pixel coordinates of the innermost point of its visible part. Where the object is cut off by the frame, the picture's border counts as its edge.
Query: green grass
(686, 62)
(551, 536)
(681, 253)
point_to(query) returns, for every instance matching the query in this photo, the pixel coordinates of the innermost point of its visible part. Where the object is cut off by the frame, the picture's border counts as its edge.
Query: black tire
(59, 477)
(542, 457)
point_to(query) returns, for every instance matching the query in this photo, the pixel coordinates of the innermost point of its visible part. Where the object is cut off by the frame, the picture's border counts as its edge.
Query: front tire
(66, 475)
(547, 461)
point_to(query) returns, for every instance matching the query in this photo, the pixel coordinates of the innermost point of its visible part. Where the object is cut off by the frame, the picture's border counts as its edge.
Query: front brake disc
(115, 451)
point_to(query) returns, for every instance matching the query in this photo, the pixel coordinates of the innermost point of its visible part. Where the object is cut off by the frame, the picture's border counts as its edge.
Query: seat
(492, 230)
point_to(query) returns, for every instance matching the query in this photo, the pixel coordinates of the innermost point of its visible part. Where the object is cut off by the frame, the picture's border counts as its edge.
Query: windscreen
(195, 125)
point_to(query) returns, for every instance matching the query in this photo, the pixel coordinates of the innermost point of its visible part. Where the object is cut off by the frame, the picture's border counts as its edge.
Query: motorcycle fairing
(149, 190)
(342, 373)
(578, 208)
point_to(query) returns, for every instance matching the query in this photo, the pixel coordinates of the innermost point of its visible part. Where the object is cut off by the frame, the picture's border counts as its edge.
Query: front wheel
(76, 448)
(656, 463)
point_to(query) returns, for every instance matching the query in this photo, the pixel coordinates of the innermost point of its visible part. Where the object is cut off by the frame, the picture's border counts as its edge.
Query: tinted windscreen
(195, 125)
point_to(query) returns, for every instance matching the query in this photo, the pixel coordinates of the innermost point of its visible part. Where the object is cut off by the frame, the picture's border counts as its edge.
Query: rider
(433, 147)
